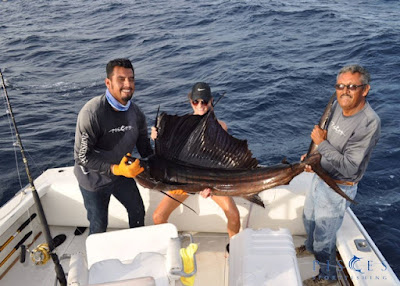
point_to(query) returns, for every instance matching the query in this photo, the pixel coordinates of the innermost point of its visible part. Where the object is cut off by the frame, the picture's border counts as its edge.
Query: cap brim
(198, 96)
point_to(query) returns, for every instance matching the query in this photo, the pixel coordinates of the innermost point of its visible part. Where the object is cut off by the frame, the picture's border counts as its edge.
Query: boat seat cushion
(127, 243)
(143, 265)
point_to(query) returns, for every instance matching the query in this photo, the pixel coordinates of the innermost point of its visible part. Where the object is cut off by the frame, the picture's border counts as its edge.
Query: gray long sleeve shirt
(103, 136)
(349, 144)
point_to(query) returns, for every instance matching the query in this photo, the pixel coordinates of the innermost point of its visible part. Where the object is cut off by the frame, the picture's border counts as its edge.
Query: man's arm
(87, 132)
(358, 147)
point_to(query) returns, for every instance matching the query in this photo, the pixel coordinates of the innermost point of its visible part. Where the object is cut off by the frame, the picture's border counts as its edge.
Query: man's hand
(127, 170)
(154, 133)
(206, 193)
(318, 135)
(307, 168)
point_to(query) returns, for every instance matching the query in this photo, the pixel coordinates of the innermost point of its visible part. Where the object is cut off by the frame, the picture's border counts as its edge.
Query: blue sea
(276, 60)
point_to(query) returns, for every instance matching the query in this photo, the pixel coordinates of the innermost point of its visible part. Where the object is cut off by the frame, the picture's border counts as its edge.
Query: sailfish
(194, 152)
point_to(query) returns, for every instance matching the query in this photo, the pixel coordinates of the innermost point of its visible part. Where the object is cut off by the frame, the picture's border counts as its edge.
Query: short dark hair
(122, 62)
(365, 77)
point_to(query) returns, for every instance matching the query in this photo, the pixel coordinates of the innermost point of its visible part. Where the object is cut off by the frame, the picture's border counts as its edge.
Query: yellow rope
(187, 255)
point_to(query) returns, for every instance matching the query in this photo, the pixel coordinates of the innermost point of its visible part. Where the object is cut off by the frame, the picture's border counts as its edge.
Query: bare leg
(231, 212)
(166, 207)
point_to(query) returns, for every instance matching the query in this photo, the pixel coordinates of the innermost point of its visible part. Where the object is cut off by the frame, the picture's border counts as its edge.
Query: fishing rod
(18, 258)
(46, 230)
(17, 232)
(16, 248)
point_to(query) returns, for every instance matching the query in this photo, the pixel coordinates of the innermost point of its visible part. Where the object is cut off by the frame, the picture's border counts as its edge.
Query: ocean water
(276, 60)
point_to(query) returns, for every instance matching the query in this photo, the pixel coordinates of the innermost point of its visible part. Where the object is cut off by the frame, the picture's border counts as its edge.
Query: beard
(126, 98)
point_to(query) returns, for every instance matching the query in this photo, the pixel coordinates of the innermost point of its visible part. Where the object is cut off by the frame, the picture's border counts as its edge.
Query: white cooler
(263, 257)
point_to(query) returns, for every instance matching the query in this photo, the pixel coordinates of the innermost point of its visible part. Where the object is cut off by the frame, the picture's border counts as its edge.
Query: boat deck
(212, 259)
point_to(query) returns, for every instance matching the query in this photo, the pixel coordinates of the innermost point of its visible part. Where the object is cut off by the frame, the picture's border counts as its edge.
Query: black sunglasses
(349, 86)
(196, 102)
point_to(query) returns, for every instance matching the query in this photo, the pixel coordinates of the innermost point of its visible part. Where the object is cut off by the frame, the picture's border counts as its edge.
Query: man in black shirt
(108, 127)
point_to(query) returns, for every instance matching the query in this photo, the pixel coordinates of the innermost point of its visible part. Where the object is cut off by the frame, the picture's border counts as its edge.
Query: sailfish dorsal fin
(201, 141)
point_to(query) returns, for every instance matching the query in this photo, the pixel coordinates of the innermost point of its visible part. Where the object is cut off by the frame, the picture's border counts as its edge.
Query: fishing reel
(41, 254)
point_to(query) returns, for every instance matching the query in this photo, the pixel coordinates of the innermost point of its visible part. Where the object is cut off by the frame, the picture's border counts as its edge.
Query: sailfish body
(193, 152)
(165, 175)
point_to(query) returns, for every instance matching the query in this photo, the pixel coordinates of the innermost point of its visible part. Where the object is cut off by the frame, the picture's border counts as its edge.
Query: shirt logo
(201, 89)
(122, 128)
(83, 148)
(336, 128)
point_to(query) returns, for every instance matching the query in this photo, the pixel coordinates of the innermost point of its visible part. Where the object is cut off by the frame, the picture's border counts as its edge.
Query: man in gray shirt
(109, 127)
(346, 147)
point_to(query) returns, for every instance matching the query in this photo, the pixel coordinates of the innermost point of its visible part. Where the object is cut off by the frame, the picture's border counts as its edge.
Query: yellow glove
(178, 192)
(128, 170)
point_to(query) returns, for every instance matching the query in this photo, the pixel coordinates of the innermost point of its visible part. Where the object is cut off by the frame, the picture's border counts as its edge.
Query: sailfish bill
(317, 168)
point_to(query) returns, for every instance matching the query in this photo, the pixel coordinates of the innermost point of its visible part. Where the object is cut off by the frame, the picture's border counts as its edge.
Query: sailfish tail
(317, 168)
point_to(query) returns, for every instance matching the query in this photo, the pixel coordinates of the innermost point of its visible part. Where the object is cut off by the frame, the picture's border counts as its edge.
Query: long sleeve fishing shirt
(103, 136)
(349, 144)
